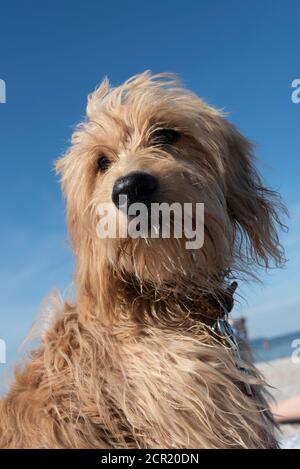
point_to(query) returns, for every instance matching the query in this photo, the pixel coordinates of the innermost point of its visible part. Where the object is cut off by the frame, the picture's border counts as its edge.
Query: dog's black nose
(137, 186)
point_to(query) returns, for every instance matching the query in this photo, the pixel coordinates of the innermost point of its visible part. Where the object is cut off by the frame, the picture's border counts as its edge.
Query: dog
(144, 356)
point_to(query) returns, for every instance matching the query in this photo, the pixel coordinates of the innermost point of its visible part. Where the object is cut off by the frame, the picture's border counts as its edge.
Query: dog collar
(223, 330)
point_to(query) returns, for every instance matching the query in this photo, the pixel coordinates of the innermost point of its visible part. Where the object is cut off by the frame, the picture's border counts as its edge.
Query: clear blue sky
(239, 55)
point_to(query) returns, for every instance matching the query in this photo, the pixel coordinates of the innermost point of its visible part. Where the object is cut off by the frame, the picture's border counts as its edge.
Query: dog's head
(153, 142)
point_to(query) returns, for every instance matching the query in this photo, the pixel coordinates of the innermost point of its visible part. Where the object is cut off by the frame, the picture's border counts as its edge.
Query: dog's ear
(66, 169)
(75, 176)
(255, 210)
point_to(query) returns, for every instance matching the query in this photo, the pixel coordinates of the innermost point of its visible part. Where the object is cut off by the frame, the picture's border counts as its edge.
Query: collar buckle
(223, 329)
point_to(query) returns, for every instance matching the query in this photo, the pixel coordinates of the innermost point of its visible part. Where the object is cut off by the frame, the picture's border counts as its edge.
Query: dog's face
(153, 142)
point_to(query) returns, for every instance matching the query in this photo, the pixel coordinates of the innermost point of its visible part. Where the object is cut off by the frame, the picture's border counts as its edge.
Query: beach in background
(274, 360)
(283, 377)
(266, 349)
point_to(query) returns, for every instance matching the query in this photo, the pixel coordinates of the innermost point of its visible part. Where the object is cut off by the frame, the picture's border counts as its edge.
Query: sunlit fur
(132, 362)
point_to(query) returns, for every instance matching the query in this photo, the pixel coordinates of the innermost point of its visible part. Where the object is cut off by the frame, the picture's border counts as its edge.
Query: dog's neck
(180, 304)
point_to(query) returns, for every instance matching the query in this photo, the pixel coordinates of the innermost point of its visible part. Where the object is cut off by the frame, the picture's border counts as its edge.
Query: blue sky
(240, 56)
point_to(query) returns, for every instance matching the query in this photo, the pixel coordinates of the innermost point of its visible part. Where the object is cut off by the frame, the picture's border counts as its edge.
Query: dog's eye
(103, 163)
(165, 137)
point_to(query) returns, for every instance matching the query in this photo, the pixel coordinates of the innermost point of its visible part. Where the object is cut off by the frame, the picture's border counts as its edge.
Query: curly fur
(133, 362)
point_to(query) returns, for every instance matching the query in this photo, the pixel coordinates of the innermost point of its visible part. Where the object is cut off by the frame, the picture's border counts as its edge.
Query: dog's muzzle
(135, 187)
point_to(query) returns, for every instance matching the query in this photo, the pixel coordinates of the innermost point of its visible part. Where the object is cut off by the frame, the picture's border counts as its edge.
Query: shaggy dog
(137, 360)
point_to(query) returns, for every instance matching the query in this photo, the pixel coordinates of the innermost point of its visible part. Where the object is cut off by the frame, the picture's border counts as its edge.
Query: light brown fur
(133, 362)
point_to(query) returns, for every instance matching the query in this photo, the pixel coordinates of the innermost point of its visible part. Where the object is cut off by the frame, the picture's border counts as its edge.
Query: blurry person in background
(239, 327)
(287, 410)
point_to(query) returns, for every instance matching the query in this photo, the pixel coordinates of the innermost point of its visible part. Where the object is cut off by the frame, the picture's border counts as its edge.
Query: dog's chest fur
(162, 388)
